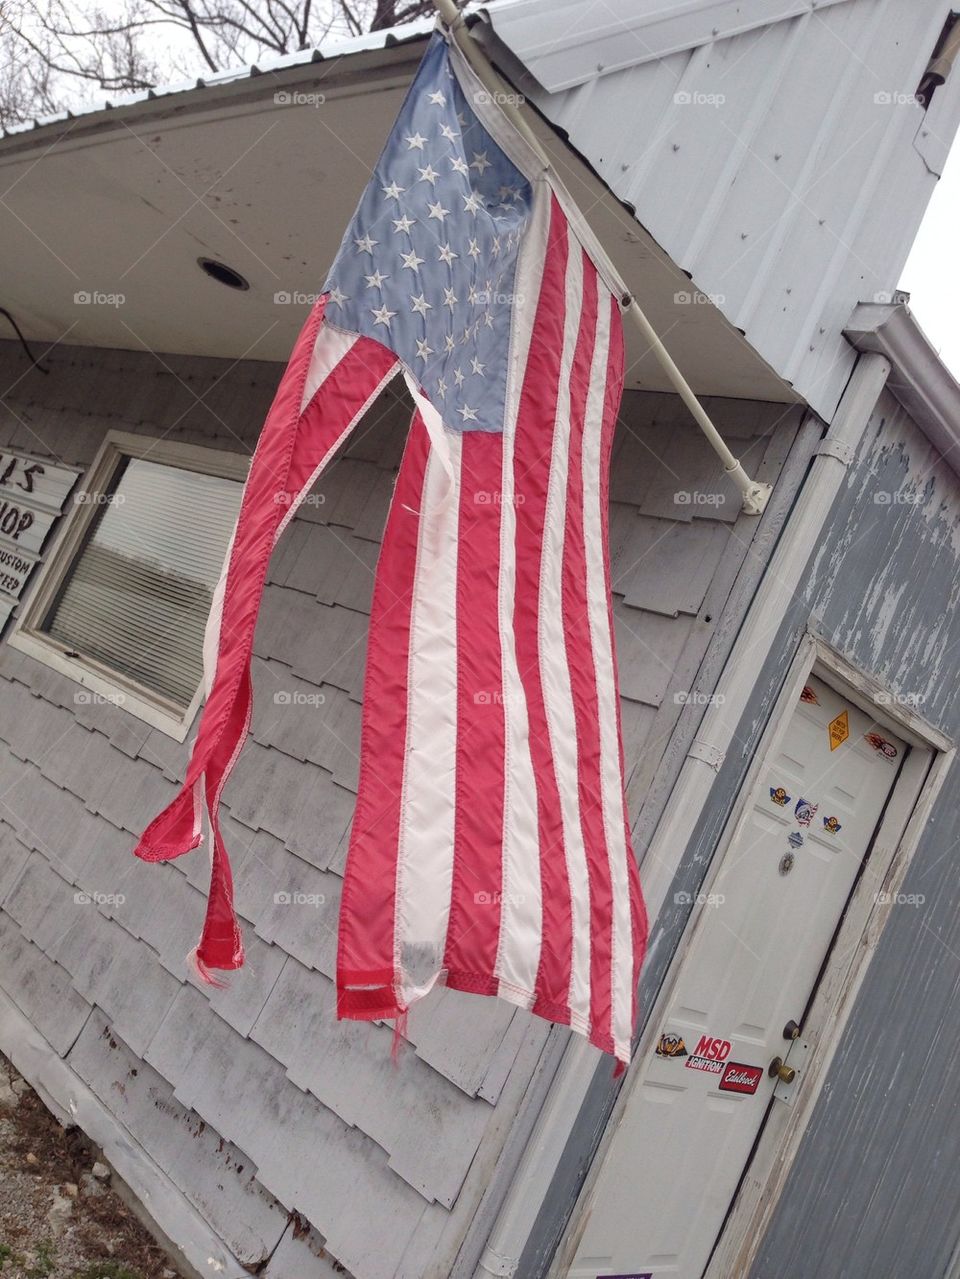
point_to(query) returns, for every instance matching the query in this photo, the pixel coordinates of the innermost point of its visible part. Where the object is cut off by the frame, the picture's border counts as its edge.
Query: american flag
(490, 848)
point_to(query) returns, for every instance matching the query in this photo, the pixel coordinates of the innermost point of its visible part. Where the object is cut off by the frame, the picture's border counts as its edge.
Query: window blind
(137, 594)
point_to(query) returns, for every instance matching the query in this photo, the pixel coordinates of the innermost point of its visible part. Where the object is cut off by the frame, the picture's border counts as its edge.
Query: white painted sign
(33, 492)
(23, 526)
(15, 568)
(36, 481)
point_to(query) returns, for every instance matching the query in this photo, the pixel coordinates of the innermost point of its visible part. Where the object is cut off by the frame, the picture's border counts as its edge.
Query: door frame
(855, 943)
(868, 908)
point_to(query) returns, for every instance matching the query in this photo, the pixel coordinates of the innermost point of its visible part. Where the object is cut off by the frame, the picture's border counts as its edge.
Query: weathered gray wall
(874, 1190)
(255, 1101)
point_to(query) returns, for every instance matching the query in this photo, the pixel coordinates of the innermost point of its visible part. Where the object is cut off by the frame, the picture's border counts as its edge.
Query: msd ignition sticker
(738, 1077)
(809, 696)
(709, 1055)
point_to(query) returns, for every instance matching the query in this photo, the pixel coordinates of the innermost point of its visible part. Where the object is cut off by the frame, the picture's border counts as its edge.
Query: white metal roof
(121, 202)
(746, 134)
(270, 65)
(774, 148)
(564, 43)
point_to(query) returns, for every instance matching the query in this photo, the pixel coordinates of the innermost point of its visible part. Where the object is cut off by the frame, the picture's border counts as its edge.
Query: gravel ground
(59, 1219)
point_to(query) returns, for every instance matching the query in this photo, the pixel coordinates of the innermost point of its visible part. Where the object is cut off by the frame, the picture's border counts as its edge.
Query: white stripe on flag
(554, 667)
(518, 949)
(329, 348)
(611, 783)
(426, 838)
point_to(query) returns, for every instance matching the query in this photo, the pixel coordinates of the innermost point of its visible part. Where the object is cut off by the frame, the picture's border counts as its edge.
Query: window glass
(137, 594)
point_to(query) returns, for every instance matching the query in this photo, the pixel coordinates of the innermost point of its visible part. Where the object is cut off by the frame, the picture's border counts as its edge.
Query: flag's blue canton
(428, 264)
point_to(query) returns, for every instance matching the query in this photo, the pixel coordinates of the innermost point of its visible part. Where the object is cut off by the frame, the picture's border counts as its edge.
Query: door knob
(778, 1069)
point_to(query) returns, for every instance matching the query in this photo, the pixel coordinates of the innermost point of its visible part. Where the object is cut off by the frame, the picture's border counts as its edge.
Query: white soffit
(262, 171)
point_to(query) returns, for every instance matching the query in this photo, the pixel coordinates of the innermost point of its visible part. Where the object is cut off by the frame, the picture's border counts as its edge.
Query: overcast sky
(932, 272)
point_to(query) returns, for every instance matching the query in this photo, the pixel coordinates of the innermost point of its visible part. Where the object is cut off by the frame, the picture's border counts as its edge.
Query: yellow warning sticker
(839, 730)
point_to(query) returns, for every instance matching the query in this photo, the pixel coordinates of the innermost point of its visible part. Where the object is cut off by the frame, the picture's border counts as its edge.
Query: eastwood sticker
(832, 825)
(709, 1055)
(805, 812)
(839, 730)
(881, 745)
(809, 696)
(739, 1077)
(795, 839)
(671, 1046)
(780, 796)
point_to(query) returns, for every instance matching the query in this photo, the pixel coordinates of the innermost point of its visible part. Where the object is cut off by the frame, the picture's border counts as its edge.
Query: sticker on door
(671, 1046)
(839, 730)
(709, 1055)
(739, 1077)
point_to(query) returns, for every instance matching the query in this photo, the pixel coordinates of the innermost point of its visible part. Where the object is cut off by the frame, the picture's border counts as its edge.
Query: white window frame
(151, 707)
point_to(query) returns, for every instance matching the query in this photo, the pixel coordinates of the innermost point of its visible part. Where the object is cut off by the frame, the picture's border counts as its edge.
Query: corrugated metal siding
(873, 1190)
(761, 161)
(254, 1100)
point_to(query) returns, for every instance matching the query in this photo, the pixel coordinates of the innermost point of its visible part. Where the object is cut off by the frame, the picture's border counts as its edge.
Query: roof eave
(919, 379)
(361, 55)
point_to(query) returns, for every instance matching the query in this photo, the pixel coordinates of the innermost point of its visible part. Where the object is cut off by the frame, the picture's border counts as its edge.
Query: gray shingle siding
(262, 1108)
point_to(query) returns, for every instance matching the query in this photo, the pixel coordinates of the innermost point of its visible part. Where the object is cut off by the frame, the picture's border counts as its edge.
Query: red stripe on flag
(533, 450)
(365, 949)
(291, 446)
(583, 680)
(474, 925)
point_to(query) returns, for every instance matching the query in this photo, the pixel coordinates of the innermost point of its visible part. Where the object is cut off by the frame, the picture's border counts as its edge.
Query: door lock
(791, 1030)
(778, 1069)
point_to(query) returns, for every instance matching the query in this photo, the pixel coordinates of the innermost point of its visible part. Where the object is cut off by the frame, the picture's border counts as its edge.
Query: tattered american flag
(490, 848)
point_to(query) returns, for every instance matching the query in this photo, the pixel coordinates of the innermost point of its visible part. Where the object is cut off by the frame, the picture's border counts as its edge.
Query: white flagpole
(755, 495)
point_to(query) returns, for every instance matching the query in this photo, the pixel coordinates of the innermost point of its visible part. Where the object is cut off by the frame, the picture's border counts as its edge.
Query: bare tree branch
(56, 53)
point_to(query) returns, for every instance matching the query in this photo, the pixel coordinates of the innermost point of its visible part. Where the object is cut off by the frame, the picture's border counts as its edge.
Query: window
(122, 602)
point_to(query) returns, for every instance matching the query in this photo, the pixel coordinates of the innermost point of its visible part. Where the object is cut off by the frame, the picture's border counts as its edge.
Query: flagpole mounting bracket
(754, 493)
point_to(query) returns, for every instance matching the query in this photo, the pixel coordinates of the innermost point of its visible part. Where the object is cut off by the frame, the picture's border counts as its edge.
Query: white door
(700, 1097)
